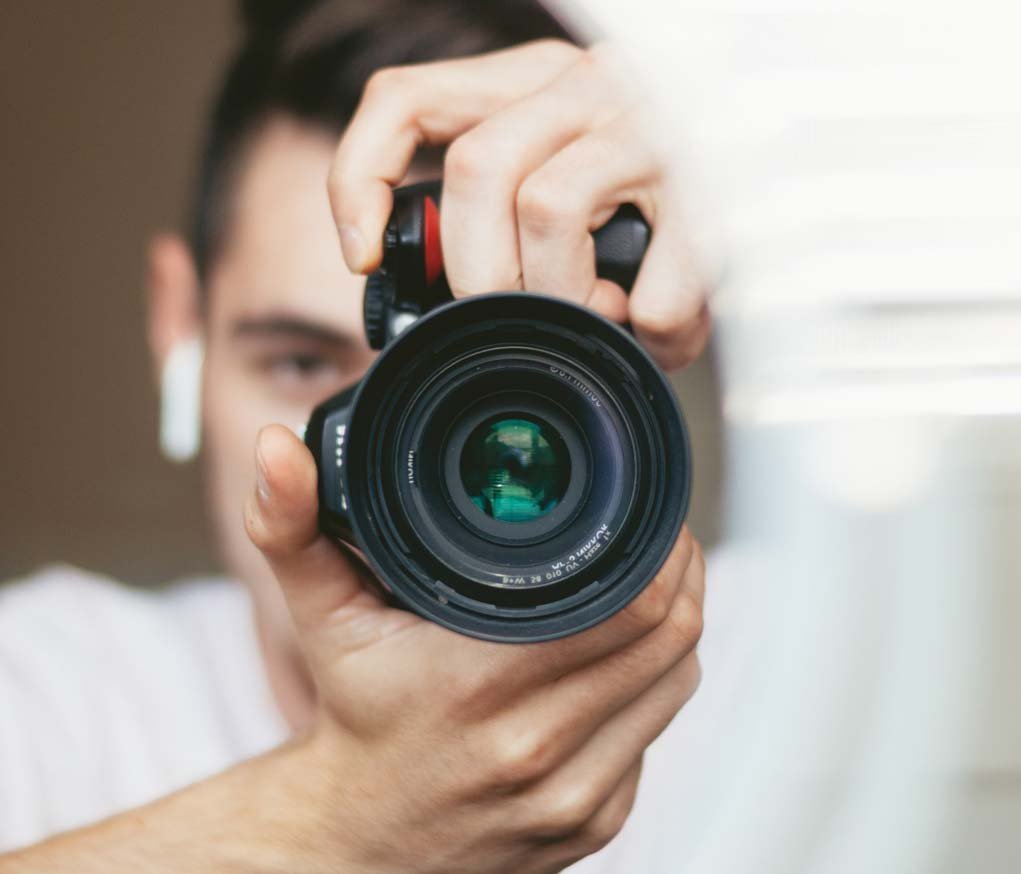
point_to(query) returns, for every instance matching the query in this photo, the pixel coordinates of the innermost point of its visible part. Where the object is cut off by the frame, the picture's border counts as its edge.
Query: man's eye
(304, 366)
(297, 371)
(302, 372)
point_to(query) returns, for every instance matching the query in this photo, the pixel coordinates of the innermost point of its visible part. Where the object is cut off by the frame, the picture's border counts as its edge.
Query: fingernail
(353, 246)
(261, 480)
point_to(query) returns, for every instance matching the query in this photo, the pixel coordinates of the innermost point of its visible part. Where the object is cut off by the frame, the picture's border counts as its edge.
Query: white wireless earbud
(181, 401)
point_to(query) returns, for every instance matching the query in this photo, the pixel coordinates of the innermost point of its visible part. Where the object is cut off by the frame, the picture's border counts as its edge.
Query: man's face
(283, 327)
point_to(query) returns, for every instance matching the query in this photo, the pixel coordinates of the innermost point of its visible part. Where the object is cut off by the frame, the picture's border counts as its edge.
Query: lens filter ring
(498, 561)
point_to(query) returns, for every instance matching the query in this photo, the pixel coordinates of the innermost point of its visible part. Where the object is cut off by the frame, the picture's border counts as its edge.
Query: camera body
(512, 466)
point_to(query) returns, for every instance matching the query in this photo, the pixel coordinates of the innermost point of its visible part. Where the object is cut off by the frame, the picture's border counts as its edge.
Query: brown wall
(102, 105)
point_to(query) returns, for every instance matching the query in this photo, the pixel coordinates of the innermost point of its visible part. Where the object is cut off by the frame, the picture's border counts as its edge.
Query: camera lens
(515, 469)
(512, 466)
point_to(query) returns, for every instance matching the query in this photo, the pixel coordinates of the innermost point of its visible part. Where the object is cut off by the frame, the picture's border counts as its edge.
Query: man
(335, 733)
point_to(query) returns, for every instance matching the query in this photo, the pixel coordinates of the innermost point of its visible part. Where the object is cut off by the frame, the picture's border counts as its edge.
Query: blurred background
(862, 161)
(103, 107)
(102, 112)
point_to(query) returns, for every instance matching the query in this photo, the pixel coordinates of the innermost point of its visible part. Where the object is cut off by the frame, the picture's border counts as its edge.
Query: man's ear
(176, 345)
(173, 288)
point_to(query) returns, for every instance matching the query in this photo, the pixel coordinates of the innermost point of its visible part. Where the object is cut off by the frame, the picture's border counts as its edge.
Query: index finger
(403, 108)
(501, 672)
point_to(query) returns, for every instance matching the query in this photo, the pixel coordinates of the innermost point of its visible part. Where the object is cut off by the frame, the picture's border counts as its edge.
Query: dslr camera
(512, 466)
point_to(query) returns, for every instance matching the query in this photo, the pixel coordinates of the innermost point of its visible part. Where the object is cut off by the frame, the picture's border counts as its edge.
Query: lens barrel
(512, 466)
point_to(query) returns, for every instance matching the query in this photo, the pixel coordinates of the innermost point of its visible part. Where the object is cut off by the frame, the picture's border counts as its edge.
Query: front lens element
(515, 469)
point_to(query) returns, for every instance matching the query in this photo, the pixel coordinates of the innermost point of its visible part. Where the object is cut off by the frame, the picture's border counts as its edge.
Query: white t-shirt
(111, 697)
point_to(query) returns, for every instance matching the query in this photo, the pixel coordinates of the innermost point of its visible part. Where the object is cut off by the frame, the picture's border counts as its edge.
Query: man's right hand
(436, 752)
(432, 752)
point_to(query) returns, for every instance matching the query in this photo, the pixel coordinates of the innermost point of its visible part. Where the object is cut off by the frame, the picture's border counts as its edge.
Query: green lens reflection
(515, 470)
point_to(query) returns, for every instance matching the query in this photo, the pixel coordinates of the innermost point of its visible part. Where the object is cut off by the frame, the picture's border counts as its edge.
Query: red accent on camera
(431, 234)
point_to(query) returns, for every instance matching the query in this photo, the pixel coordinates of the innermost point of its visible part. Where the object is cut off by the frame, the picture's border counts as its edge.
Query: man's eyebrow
(292, 327)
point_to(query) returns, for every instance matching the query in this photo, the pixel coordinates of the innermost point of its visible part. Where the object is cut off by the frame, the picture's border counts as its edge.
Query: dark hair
(310, 59)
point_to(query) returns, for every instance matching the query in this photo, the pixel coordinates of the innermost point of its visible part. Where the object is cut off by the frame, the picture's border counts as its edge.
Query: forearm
(256, 818)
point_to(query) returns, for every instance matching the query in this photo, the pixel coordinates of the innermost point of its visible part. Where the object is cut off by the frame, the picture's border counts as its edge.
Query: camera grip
(620, 244)
(411, 280)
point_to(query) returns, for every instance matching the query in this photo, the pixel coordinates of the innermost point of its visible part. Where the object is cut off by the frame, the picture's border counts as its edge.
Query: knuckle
(681, 332)
(686, 352)
(568, 810)
(543, 205)
(602, 829)
(697, 554)
(597, 836)
(661, 325)
(688, 540)
(385, 83)
(651, 608)
(557, 50)
(519, 758)
(468, 160)
(472, 694)
(680, 686)
(686, 621)
(593, 58)
(694, 676)
(593, 68)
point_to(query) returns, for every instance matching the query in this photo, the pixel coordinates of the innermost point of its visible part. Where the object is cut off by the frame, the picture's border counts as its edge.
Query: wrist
(294, 819)
(269, 815)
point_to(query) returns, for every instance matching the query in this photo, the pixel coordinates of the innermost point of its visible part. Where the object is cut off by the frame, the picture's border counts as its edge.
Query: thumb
(317, 577)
